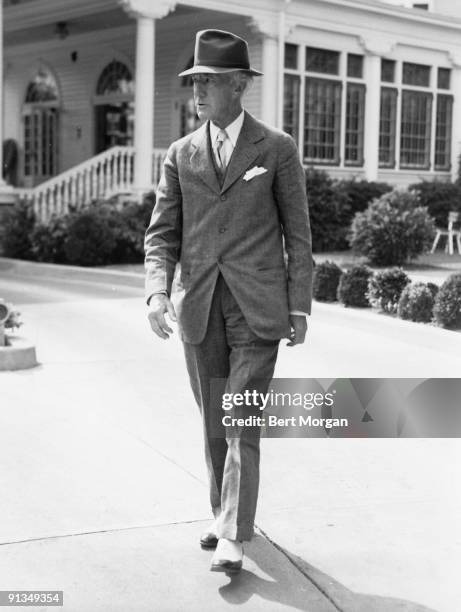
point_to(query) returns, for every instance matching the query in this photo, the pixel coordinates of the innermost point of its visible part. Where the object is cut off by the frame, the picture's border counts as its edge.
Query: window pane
(322, 121)
(387, 127)
(355, 66)
(415, 137)
(387, 71)
(291, 105)
(321, 60)
(443, 132)
(355, 110)
(291, 56)
(443, 78)
(416, 74)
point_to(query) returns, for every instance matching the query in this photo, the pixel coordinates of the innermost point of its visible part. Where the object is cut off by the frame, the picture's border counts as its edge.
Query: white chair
(451, 233)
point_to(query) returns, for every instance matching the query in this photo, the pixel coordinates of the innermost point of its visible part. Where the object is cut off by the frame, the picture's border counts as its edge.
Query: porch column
(372, 113)
(273, 30)
(270, 80)
(146, 13)
(144, 103)
(374, 49)
(456, 128)
(2, 182)
(7, 194)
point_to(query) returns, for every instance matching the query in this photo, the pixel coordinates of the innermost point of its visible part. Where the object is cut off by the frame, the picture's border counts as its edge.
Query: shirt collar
(233, 129)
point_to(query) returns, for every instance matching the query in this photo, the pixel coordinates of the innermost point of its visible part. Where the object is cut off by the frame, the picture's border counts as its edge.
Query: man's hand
(298, 329)
(160, 304)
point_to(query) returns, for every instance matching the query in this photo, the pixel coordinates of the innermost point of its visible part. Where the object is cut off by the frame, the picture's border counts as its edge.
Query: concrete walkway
(103, 482)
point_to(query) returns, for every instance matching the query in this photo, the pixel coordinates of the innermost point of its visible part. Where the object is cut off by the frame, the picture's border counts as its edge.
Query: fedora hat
(217, 51)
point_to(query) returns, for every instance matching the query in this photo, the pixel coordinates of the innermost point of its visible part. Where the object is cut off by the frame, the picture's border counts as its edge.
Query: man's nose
(199, 89)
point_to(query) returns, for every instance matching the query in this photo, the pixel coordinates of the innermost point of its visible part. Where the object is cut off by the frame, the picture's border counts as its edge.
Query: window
(355, 111)
(387, 71)
(291, 105)
(443, 132)
(115, 78)
(355, 66)
(387, 127)
(416, 74)
(322, 121)
(321, 60)
(291, 56)
(415, 134)
(443, 78)
(324, 105)
(42, 88)
(415, 118)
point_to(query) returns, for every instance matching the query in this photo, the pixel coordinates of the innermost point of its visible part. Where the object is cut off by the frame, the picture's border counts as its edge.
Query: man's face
(215, 97)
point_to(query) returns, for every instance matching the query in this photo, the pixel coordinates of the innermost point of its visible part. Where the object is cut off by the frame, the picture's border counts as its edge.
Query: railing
(106, 175)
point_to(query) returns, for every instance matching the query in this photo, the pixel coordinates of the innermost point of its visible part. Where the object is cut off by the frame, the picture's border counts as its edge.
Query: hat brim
(217, 70)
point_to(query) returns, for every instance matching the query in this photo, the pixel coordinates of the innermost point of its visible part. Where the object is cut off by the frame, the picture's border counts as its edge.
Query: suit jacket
(238, 228)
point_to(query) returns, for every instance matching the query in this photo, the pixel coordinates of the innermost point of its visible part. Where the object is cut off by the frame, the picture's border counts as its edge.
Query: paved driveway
(104, 485)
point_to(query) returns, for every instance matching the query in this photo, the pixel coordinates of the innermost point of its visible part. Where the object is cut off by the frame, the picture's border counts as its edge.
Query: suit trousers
(232, 353)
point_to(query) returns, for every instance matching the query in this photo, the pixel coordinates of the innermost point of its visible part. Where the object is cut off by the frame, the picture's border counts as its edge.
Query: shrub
(48, 240)
(18, 224)
(361, 193)
(92, 235)
(416, 303)
(385, 288)
(392, 230)
(96, 235)
(439, 197)
(329, 212)
(325, 281)
(130, 238)
(433, 288)
(353, 286)
(447, 308)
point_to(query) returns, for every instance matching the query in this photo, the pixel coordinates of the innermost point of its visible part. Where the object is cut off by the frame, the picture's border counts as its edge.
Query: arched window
(115, 78)
(42, 88)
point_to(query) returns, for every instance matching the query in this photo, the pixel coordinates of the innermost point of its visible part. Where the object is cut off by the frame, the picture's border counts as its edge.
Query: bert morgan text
(272, 420)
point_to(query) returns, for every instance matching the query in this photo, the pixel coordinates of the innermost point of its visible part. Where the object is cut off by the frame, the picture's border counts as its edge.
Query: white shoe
(228, 556)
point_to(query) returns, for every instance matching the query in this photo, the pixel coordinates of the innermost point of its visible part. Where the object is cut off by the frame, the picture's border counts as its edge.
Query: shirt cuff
(299, 313)
(156, 293)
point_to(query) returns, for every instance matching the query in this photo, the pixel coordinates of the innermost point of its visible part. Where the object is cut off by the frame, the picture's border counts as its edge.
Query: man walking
(230, 203)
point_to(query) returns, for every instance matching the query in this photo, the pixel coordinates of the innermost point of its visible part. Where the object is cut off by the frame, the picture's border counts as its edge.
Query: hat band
(218, 64)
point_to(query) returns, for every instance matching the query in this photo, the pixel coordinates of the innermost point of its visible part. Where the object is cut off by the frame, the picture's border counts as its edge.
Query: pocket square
(255, 171)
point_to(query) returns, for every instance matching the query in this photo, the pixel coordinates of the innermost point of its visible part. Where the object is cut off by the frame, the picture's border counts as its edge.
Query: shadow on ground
(321, 592)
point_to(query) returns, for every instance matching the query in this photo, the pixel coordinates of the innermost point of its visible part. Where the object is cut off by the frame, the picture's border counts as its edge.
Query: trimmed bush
(96, 235)
(447, 308)
(439, 197)
(353, 286)
(48, 240)
(325, 281)
(392, 230)
(361, 193)
(433, 288)
(91, 236)
(18, 224)
(329, 212)
(416, 303)
(385, 288)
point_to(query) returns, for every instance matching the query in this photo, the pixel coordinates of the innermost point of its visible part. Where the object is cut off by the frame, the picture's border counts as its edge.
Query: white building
(368, 89)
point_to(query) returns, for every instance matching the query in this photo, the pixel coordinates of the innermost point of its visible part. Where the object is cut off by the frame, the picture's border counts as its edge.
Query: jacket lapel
(245, 152)
(201, 161)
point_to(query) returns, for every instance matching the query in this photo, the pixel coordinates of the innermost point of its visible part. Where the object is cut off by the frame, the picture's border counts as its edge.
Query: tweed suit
(217, 247)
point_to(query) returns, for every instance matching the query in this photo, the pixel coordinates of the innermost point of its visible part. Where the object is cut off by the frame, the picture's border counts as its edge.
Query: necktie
(221, 156)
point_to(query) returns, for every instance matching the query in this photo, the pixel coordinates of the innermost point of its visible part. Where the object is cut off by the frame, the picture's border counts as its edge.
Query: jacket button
(223, 198)
(222, 230)
(219, 260)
